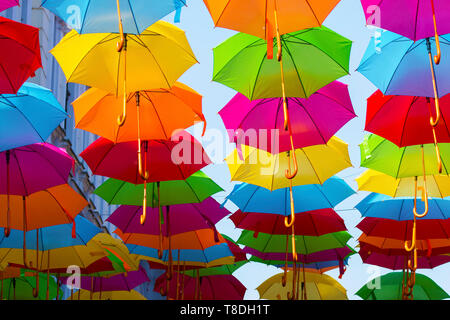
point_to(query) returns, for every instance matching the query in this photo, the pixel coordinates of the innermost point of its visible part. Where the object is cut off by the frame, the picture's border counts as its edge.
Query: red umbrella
(310, 223)
(21, 55)
(402, 230)
(217, 287)
(165, 160)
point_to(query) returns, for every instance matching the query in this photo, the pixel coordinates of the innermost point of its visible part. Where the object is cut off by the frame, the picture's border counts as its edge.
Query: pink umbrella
(313, 121)
(184, 217)
(217, 287)
(6, 4)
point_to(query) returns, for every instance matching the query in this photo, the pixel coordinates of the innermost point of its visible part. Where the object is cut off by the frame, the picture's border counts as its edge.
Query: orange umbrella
(159, 113)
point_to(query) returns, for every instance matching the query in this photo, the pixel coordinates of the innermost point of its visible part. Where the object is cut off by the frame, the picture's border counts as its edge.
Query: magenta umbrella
(164, 159)
(313, 121)
(216, 287)
(33, 168)
(183, 217)
(120, 282)
(6, 4)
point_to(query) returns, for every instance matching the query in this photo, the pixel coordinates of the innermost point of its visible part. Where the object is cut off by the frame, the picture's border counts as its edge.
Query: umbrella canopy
(401, 62)
(106, 295)
(437, 185)
(382, 206)
(194, 189)
(23, 56)
(382, 155)
(18, 174)
(304, 244)
(313, 58)
(337, 254)
(390, 288)
(397, 262)
(21, 288)
(402, 230)
(216, 287)
(428, 247)
(120, 282)
(29, 116)
(252, 198)
(416, 20)
(310, 223)
(6, 4)
(174, 159)
(184, 218)
(313, 121)
(318, 287)
(264, 169)
(316, 267)
(156, 58)
(102, 16)
(161, 112)
(257, 18)
(405, 120)
(52, 206)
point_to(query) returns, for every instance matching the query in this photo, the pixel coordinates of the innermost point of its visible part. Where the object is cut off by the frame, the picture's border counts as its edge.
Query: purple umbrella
(183, 217)
(6, 4)
(26, 170)
(120, 282)
(313, 121)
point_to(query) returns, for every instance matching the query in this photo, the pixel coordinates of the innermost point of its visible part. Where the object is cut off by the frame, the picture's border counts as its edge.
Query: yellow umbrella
(156, 58)
(118, 248)
(318, 286)
(438, 186)
(107, 295)
(316, 164)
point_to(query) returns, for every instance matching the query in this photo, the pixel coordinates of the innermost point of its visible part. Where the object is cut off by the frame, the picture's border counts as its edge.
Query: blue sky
(348, 20)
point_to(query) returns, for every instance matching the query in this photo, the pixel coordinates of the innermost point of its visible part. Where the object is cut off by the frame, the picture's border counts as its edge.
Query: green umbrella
(389, 287)
(382, 155)
(312, 59)
(265, 242)
(214, 271)
(194, 189)
(22, 288)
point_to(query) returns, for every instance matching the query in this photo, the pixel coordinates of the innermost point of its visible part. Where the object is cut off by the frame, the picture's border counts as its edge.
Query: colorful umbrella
(390, 288)
(166, 160)
(22, 288)
(23, 56)
(313, 121)
(437, 185)
(382, 206)
(318, 286)
(217, 287)
(261, 168)
(251, 198)
(156, 59)
(96, 111)
(131, 17)
(310, 223)
(106, 295)
(402, 230)
(194, 189)
(185, 218)
(18, 174)
(29, 116)
(6, 4)
(315, 267)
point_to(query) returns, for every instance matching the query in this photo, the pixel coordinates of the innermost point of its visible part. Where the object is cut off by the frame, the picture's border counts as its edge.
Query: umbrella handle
(423, 190)
(288, 224)
(436, 95)
(121, 42)
(294, 249)
(413, 242)
(144, 205)
(437, 58)
(413, 265)
(144, 175)
(288, 174)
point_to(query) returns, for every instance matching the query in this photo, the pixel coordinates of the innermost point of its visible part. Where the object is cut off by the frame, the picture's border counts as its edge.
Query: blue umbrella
(53, 237)
(378, 205)
(400, 66)
(28, 117)
(251, 198)
(100, 16)
(205, 256)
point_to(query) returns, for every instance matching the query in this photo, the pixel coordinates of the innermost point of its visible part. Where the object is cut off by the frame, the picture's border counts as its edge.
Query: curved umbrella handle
(435, 89)
(413, 242)
(288, 224)
(144, 205)
(412, 265)
(144, 175)
(437, 58)
(425, 197)
(122, 117)
(434, 122)
(288, 174)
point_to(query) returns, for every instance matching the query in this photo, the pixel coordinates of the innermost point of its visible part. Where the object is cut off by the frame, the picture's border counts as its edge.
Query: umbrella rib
(415, 20)
(257, 74)
(312, 120)
(400, 162)
(7, 77)
(312, 10)
(84, 17)
(193, 191)
(21, 173)
(122, 184)
(134, 17)
(250, 198)
(415, 99)
(223, 11)
(295, 65)
(159, 119)
(397, 67)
